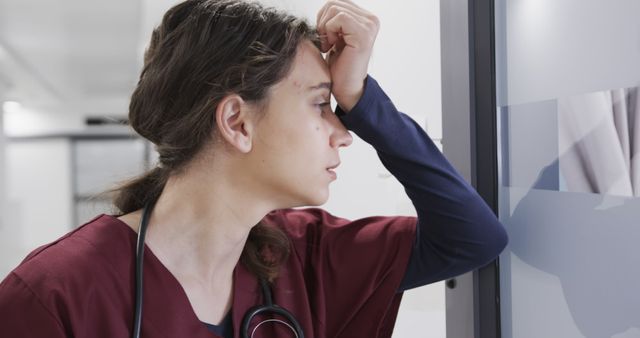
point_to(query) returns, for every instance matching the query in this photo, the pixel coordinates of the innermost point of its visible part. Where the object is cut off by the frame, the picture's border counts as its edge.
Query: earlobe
(233, 123)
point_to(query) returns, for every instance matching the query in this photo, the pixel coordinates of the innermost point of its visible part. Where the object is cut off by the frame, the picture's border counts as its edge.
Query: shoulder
(295, 219)
(310, 225)
(90, 253)
(72, 284)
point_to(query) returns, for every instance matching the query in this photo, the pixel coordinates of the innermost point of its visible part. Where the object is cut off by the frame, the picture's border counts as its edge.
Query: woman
(236, 99)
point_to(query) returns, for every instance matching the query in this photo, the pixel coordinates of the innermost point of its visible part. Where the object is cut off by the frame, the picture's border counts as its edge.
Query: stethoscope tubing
(142, 232)
(269, 306)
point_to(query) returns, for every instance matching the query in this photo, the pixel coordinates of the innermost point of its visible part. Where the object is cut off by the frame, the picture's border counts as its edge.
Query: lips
(333, 166)
(331, 171)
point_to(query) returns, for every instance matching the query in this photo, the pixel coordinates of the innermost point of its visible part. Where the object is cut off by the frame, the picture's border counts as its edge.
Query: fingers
(340, 3)
(348, 33)
(343, 20)
(348, 28)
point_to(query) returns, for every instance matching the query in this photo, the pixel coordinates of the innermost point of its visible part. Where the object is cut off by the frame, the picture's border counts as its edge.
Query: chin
(312, 196)
(319, 198)
(319, 202)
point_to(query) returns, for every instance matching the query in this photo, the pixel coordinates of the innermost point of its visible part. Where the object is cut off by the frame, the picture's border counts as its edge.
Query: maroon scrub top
(341, 280)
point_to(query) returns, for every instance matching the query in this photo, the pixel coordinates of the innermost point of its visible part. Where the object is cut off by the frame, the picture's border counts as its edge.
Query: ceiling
(84, 56)
(74, 56)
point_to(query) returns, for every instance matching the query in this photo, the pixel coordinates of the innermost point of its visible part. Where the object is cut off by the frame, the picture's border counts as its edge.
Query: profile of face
(296, 141)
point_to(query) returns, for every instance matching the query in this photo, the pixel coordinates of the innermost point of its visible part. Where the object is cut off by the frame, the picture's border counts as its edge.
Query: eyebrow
(323, 85)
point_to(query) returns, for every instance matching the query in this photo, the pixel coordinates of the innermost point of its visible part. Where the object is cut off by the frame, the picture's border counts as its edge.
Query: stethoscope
(267, 307)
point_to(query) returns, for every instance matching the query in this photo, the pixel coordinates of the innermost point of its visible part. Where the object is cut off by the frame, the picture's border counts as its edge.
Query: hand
(347, 32)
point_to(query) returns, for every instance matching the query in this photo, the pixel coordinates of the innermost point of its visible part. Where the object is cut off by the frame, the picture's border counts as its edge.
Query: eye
(323, 105)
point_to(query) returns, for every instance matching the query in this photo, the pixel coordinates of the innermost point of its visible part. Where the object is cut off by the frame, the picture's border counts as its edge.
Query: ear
(234, 123)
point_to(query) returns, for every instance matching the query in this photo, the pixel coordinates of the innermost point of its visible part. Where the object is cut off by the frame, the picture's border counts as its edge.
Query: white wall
(37, 174)
(27, 122)
(3, 252)
(37, 192)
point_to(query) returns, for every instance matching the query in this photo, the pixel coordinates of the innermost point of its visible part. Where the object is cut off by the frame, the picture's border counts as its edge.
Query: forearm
(457, 231)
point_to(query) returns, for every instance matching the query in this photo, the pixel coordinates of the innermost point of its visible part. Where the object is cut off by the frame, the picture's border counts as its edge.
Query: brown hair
(202, 51)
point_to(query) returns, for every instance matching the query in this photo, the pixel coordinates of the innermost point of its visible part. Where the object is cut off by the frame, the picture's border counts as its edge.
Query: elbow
(491, 234)
(494, 244)
(502, 239)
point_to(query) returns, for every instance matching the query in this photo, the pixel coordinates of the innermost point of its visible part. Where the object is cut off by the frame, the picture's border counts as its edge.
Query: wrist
(347, 98)
(348, 101)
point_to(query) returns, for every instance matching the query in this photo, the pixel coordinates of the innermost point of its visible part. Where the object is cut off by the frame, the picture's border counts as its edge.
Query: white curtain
(599, 142)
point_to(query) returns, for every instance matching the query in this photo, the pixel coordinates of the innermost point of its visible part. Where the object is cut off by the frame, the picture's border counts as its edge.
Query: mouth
(333, 167)
(331, 171)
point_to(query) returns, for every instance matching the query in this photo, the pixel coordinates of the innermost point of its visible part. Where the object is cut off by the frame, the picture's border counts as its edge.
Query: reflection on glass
(569, 180)
(572, 268)
(591, 143)
(599, 142)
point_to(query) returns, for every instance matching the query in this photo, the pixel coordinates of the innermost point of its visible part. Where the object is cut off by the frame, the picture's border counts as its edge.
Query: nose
(340, 136)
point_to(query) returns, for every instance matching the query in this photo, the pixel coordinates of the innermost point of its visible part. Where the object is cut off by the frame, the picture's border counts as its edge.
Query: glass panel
(569, 152)
(549, 48)
(572, 268)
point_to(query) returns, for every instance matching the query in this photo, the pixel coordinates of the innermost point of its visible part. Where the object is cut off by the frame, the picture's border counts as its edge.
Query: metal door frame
(470, 143)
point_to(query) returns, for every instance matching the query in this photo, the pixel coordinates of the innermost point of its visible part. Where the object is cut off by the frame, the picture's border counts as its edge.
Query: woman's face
(297, 140)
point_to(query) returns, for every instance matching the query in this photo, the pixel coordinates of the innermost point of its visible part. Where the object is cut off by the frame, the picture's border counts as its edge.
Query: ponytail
(265, 250)
(134, 194)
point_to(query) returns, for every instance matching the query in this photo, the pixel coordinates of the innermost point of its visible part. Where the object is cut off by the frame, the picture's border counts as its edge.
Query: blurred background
(67, 69)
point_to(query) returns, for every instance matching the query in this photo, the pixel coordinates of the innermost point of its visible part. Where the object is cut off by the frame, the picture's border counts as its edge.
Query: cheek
(316, 132)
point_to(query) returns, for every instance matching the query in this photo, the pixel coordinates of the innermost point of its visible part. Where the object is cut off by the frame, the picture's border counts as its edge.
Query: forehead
(308, 68)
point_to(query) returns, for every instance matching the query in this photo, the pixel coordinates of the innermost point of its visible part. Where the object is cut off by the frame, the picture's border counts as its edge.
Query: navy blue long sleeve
(456, 231)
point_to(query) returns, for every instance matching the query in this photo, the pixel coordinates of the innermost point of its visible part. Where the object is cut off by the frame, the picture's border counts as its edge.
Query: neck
(200, 224)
